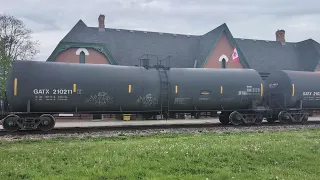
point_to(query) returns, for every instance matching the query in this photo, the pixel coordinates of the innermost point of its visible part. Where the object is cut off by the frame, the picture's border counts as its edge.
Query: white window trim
(86, 52)
(223, 56)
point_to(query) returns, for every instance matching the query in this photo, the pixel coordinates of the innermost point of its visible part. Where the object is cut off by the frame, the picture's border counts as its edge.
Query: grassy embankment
(267, 155)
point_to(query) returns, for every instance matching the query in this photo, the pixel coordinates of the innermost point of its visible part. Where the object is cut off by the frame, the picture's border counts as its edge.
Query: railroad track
(124, 128)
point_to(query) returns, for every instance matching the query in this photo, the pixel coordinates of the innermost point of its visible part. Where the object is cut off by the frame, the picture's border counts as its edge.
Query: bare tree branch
(17, 39)
(15, 44)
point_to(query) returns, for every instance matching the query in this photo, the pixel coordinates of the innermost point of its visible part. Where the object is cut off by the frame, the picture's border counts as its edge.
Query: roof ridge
(78, 24)
(162, 32)
(81, 33)
(221, 27)
(265, 40)
(148, 31)
(206, 43)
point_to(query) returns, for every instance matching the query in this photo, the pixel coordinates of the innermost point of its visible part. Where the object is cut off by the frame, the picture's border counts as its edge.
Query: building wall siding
(70, 56)
(223, 47)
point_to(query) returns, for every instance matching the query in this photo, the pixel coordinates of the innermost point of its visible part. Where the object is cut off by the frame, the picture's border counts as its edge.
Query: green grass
(247, 155)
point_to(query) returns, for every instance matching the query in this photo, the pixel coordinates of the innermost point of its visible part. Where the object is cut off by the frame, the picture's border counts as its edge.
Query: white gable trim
(86, 52)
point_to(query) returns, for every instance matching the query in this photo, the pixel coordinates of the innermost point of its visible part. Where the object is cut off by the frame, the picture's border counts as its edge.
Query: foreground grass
(267, 155)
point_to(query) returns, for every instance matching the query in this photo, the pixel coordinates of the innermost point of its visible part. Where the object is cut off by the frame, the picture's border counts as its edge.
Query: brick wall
(72, 55)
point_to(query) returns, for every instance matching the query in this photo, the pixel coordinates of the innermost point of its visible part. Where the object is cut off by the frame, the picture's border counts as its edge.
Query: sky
(253, 19)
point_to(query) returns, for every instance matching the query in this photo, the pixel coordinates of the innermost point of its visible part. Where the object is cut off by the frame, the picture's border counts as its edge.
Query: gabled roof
(81, 33)
(309, 54)
(268, 56)
(317, 48)
(127, 46)
(82, 36)
(124, 47)
(209, 41)
(207, 44)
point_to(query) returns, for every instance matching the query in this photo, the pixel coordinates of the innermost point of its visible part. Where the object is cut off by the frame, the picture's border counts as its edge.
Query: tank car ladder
(164, 88)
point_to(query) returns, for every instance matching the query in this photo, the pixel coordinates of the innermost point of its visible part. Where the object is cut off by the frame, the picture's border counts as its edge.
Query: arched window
(82, 53)
(82, 57)
(223, 60)
(223, 63)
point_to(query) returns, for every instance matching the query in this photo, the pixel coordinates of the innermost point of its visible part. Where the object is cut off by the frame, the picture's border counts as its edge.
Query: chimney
(280, 36)
(101, 21)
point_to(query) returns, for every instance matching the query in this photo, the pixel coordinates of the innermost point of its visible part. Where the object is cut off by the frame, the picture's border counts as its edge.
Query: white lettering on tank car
(181, 101)
(242, 93)
(79, 91)
(311, 95)
(62, 91)
(250, 91)
(204, 99)
(54, 91)
(306, 93)
(274, 85)
(49, 95)
(41, 91)
(38, 98)
(316, 93)
(227, 99)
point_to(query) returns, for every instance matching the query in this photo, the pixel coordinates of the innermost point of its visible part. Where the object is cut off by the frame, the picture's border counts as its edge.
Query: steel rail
(89, 129)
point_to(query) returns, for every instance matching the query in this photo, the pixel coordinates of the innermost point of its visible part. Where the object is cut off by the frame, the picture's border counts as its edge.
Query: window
(82, 53)
(82, 58)
(223, 63)
(223, 59)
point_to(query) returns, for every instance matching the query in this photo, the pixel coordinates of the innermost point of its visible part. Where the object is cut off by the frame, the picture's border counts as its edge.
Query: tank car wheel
(284, 117)
(235, 118)
(259, 119)
(224, 119)
(271, 120)
(48, 122)
(10, 123)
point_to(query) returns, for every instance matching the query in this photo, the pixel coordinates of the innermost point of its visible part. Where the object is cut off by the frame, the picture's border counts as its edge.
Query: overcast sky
(254, 19)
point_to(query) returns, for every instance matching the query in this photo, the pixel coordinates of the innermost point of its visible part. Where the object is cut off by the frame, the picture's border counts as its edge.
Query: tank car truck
(292, 95)
(38, 90)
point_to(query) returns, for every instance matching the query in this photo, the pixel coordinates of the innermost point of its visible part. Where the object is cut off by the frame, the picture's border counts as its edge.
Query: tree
(15, 44)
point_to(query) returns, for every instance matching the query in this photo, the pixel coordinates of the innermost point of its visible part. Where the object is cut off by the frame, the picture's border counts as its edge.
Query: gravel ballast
(157, 131)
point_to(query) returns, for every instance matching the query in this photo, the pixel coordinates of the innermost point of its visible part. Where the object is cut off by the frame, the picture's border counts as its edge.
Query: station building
(214, 49)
